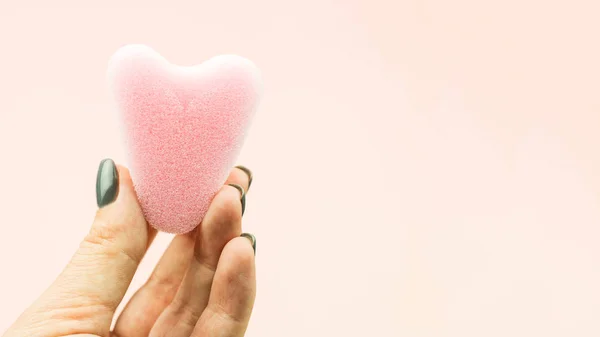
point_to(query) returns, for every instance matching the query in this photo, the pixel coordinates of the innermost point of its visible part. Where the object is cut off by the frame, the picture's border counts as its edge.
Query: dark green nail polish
(243, 203)
(107, 183)
(243, 198)
(248, 172)
(252, 239)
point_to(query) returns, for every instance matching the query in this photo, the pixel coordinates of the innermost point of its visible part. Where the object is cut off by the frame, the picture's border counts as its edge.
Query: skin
(203, 286)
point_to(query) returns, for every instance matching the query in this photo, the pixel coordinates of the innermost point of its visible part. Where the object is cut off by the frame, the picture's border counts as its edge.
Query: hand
(203, 286)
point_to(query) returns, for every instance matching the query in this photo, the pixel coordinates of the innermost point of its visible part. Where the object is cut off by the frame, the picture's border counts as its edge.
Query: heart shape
(183, 129)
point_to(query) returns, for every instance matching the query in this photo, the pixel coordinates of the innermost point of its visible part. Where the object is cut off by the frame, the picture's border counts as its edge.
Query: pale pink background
(423, 167)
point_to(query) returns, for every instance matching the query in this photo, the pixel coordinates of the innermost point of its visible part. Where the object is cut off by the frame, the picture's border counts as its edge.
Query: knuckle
(187, 312)
(163, 281)
(206, 262)
(104, 240)
(103, 233)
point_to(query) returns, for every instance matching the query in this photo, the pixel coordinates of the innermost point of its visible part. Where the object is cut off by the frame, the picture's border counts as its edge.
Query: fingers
(93, 284)
(240, 178)
(146, 305)
(240, 175)
(233, 291)
(221, 224)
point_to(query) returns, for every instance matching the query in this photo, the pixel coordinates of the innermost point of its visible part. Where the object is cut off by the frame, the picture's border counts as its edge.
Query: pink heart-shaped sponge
(183, 129)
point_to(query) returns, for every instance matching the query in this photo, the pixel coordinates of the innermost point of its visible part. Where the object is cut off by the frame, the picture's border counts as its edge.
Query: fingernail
(252, 239)
(248, 173)
(243, 198)
(107, 183)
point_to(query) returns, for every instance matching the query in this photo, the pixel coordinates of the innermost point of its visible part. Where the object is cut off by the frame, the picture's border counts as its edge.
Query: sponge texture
(183, 129)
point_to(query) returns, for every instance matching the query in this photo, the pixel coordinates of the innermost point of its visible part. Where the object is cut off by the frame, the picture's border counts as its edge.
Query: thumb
(97, 277)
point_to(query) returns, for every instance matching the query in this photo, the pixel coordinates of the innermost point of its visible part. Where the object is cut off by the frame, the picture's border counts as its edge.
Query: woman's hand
(204, 285)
